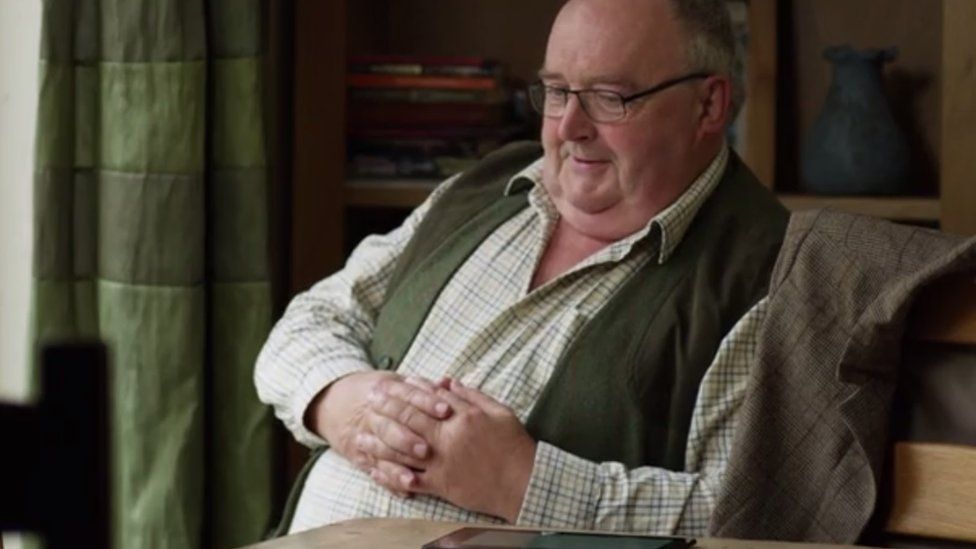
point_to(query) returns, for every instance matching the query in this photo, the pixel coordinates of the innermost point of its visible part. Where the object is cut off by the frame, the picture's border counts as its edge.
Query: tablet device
(497, 538)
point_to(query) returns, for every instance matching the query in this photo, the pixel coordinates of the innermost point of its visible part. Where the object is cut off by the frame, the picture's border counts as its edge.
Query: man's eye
(556, 93)
(607, 99)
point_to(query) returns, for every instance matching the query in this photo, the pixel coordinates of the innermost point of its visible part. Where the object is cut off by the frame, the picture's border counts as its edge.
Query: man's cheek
(550, 134)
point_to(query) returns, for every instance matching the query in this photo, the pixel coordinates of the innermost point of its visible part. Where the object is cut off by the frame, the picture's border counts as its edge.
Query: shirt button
(385, 362)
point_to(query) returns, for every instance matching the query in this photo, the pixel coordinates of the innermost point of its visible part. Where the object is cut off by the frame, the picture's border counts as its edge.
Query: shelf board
(897, 208)
(387, 193)
(409, 193)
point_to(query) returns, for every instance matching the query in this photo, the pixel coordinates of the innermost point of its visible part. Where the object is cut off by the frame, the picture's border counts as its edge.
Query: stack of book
(426, 116)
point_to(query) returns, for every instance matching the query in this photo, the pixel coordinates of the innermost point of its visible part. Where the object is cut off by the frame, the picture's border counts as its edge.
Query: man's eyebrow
(543, 74)
(609, 80)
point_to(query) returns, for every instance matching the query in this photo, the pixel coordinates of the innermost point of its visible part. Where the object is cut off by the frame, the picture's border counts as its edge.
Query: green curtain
(151, 232)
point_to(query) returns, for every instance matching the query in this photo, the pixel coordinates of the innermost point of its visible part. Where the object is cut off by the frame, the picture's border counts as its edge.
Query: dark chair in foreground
(933, 473)
(54, 471)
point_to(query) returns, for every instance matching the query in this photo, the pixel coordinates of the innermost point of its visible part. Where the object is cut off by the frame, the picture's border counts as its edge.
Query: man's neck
(565, 249)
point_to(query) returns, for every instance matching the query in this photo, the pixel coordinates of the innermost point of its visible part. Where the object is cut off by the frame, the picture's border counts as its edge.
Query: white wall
(20, 25)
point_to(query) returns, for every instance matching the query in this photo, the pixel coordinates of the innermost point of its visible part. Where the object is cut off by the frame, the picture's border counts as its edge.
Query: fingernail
(441, 408)
(360, 440)
(407, 479)
(420, 450)
(375, 474)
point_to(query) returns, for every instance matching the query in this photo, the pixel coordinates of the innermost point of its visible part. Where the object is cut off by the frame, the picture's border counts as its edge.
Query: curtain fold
(151, 232)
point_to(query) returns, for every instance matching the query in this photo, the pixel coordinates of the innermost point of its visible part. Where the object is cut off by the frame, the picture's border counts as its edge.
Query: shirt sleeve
(325, 332)
(566, 491)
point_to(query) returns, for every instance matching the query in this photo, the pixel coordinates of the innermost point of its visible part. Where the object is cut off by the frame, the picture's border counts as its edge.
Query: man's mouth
(591, 166)
(588, 160)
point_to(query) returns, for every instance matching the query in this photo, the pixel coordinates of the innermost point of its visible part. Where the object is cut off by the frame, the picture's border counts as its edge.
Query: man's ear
(716, 105)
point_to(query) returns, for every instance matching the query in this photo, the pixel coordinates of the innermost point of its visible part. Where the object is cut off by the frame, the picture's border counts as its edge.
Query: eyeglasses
(599, 105)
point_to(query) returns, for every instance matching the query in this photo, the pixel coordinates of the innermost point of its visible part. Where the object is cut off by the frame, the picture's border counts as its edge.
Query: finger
(394, 477)
(375, 450)
(458, 403)
(406, 415)
(420, 394)
(393, 422)
(364, 462)
(421, 383)
(380, 479)
(477, 398)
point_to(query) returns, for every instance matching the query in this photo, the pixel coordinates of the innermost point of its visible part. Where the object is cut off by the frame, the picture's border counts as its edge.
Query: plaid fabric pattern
(807, 456)
(489, 331)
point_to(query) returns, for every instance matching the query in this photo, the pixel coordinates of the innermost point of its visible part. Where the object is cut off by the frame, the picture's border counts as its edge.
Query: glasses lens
(537, 96)
(547, 100)
(603, 106)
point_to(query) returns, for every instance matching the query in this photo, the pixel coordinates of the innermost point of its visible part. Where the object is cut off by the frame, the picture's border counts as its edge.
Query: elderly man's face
(608, 179)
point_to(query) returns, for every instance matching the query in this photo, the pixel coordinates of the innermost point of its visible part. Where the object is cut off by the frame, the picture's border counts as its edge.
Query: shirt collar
(672, 222)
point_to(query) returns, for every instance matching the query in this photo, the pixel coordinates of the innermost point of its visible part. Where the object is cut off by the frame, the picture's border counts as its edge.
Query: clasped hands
(416, 437)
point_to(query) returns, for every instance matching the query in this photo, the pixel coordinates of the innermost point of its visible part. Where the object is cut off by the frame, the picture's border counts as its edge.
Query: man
(567, 308)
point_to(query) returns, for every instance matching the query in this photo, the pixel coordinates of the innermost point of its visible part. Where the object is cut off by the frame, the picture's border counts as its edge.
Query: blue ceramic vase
(855, 147)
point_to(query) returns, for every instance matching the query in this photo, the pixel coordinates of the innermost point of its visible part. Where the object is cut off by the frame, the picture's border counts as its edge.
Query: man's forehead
(591, 40)
(633, 18)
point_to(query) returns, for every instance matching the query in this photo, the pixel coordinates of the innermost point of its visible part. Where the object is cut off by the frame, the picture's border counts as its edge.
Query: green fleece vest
(625, 388)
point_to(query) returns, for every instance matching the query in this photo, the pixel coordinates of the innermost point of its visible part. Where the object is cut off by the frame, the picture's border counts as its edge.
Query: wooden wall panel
(318, 161)
(959, 118)
(761, 81)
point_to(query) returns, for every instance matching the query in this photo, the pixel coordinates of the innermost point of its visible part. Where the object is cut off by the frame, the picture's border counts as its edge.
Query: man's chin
(587, 206)
(604, 224)
(590, 197)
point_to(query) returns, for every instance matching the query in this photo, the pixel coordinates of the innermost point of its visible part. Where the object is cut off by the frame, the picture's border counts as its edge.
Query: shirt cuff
(313, 383)
(563, 491)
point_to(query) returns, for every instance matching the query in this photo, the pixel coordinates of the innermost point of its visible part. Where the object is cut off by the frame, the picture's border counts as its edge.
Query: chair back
(54, 474)
(933, 475)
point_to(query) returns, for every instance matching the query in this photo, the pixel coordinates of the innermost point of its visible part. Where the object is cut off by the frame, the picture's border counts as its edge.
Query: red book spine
(469, 60)
(420, 81)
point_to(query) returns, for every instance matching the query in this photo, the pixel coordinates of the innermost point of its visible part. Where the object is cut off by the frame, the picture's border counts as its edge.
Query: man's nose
(575, 124)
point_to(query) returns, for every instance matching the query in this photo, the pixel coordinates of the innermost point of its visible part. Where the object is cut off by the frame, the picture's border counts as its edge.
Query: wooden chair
(933, 482)
(54, 475)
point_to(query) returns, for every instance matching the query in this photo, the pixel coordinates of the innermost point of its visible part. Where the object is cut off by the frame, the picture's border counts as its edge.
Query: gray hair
(711, 42)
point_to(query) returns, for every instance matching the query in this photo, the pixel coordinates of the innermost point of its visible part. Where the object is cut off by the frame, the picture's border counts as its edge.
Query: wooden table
(384, 533)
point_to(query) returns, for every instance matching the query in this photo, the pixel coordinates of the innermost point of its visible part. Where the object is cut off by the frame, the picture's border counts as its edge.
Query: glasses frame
(624, 99)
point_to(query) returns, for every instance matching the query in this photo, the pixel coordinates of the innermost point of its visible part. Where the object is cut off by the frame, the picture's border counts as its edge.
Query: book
(492, 70)
(354, 80)
(429, 60)
(420, 95)
(503, 133)
(386, 167)
(373, 114)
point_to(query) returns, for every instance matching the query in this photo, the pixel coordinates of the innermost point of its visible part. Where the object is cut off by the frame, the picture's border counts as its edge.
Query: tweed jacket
(808, 453)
